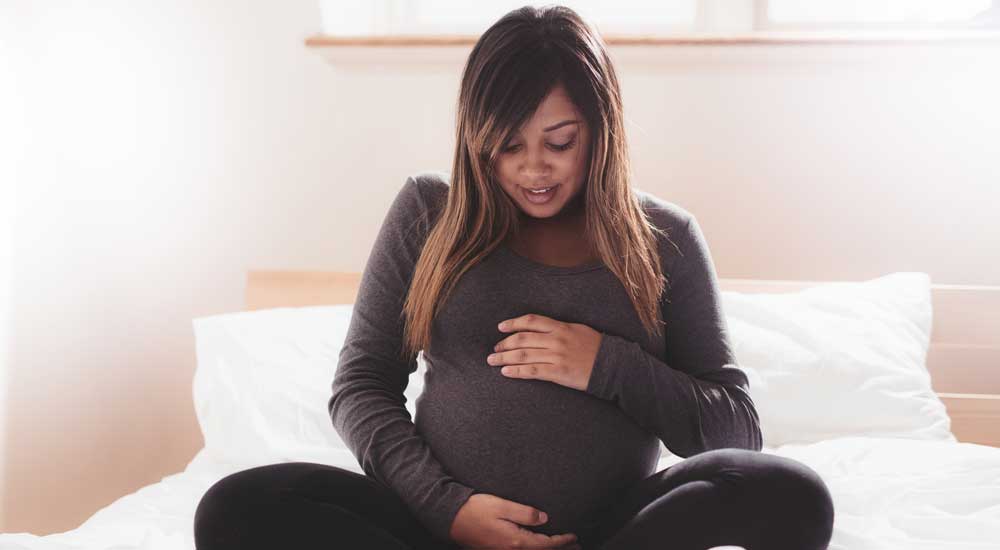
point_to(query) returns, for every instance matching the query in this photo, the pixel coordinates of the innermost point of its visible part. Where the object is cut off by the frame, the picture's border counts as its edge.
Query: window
(619, 16)
(361, 17)
(877, 14)
(644, 17)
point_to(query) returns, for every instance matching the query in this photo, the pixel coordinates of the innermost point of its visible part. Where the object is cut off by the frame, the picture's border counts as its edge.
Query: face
(550, 150)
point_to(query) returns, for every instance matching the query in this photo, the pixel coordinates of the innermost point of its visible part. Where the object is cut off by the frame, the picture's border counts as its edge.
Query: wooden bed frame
(964, 355)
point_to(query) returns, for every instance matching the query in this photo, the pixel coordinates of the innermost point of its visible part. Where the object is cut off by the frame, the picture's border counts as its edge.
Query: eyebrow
(560, 125)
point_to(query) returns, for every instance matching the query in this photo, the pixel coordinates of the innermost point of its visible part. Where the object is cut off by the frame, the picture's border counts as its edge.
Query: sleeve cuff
(602, 376)
(439, 518)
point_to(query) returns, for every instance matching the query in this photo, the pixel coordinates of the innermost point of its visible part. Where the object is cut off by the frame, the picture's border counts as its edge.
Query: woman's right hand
(488, 521)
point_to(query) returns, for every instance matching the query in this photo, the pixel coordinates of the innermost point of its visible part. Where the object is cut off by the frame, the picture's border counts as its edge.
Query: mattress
(889, 494)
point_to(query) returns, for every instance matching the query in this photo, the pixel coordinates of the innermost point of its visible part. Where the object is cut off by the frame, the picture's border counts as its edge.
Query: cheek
(505, 173)
(572, 168)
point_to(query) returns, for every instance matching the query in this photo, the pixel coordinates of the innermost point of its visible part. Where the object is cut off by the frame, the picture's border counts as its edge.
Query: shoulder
(662, 212)
(431, 186)
(418, 202)
(669, 217)
(425, 190)
(686, 250)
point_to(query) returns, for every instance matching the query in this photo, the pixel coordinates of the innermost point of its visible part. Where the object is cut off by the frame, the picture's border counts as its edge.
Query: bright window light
(874, 11)
(464, 17)
(622, 13)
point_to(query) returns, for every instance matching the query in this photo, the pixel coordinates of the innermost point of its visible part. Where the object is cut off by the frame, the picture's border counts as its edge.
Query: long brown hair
(510, 70)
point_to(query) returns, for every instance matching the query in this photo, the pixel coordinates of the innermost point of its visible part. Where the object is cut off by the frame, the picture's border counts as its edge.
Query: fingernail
(544, 517)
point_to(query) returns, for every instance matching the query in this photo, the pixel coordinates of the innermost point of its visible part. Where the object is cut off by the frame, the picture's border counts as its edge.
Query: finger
(522, 513)
(537, 371)
(522, 356)
(538, 540)
(565, 539)
(525, 339)
(530, 321)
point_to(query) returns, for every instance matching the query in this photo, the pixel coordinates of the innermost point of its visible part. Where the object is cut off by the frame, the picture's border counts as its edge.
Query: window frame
(748, 24)
(763, 23)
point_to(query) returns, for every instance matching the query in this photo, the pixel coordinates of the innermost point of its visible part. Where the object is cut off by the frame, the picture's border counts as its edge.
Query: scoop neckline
(546, 268)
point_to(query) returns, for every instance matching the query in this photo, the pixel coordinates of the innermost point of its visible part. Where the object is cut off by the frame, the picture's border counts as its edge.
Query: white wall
(15, 136)
(170, 147)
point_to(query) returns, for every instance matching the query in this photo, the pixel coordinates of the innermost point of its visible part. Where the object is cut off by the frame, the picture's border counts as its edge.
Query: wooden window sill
(750, 38)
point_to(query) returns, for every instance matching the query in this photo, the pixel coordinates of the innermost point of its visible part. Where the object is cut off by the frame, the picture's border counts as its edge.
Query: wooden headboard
(964, 355)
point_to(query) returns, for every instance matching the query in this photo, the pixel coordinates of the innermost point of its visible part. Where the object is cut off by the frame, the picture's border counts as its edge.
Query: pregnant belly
(534, 442)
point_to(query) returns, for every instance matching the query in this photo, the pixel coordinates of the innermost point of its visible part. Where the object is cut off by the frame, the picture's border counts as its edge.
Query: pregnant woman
(569, 323)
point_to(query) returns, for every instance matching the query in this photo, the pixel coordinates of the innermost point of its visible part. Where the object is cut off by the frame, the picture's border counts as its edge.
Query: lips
(540, 198)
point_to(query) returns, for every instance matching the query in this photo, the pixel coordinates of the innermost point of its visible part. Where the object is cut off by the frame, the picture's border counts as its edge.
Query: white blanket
(889, 494)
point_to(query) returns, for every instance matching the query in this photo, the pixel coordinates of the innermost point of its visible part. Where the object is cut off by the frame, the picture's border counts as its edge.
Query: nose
(535, 167)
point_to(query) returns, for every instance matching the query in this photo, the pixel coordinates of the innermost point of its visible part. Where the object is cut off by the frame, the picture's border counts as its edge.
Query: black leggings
(720, 497)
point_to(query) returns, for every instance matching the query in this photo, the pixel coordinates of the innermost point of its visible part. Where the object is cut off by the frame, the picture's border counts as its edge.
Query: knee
(790, 492)
(804, 498)
(227, 499)
(214, 502)
(221, 493)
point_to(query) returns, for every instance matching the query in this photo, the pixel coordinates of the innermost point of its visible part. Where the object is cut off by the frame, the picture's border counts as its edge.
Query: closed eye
(564, 147)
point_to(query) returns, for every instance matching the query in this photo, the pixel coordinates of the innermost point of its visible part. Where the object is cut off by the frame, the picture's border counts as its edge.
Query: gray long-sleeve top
(563, 451)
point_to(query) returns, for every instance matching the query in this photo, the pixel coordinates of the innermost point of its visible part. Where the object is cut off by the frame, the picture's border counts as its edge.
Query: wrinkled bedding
(889, 494)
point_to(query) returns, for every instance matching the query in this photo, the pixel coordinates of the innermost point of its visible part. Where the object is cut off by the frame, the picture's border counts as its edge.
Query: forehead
(555, 107)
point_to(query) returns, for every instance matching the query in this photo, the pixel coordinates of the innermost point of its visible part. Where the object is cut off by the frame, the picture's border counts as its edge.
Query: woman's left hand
(544, 348)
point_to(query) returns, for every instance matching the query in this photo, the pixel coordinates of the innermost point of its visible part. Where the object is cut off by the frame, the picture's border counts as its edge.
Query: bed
(901, 416)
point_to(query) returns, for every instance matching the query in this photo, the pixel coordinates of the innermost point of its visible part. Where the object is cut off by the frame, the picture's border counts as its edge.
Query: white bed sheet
(889, 494)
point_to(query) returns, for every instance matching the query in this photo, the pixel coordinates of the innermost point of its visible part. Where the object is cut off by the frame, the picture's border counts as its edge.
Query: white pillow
(840, 359)
(262, 383)
(835, 359)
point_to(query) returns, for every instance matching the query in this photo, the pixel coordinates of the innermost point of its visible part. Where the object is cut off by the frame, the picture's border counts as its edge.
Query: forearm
(378, 430)
(690, 414)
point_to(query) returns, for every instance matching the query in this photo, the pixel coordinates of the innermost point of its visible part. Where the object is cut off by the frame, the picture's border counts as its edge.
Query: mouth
(543, 197)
